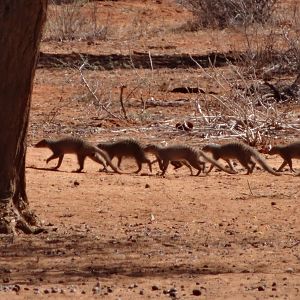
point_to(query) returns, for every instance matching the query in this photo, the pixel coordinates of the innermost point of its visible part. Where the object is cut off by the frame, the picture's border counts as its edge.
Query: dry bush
(66, 21)
(225, 13)
(241, 110)
(272, 51)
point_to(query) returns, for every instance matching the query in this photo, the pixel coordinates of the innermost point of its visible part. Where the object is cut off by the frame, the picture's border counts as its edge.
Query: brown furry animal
(184, 154)
(81, 148)
(126, 148)
(246, 155)
(287, 152)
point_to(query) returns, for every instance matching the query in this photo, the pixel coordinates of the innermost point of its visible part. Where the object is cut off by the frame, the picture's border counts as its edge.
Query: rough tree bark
(21, 24)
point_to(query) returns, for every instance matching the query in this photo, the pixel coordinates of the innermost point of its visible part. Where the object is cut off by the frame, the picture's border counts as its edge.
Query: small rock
(76, 183)
(109, 289)
(46, 291)
(54, 290)
(196, 292)
(96, 290)
(147, 186)
(172, 294)
(141, 292)
(155, 288)
(16, 288)
(290, 270)
(261, 288)
(273, 203)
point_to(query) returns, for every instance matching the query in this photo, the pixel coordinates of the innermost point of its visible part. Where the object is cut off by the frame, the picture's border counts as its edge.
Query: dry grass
(74, 21)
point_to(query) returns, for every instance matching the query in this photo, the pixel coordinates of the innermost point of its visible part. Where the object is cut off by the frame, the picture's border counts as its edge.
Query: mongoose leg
(59, 162)
(119, 162)
(165, 165)
(198, 165)
(96, 158)
(149, 165)
(282, 166)
(53, 156)
(211, 167)
(252, 163)
(139, 166)
(289, 161)
(159, 163)
(244, 163)
(188, 165)
(81, 159)
(231, 165)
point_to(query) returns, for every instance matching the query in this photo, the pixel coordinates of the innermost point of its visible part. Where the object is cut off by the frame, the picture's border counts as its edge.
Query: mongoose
(126, 148)
(185, 154)
(287, 152)
(81, 148)
(245, 154)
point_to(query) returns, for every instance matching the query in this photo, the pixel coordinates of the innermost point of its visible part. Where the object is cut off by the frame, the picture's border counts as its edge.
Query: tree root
(13, 221)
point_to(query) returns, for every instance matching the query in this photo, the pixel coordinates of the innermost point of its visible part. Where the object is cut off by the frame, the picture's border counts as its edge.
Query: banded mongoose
(246, 155)
(185, 154)
(81, 148)
(287, 152)
(126, 148)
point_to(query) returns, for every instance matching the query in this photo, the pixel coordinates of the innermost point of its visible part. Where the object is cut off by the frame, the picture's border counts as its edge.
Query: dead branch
(93, 93)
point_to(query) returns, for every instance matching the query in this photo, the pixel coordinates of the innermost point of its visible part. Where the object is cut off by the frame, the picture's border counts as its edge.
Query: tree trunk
(21, 24)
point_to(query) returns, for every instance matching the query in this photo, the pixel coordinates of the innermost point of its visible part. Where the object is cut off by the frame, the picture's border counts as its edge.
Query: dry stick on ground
(249, 188)
(93, 93)
(122, 87)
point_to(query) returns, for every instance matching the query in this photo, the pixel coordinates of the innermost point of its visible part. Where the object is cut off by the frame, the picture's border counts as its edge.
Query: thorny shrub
(225, 13)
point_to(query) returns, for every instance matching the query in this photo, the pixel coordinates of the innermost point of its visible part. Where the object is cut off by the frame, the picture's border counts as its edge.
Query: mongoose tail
(263, 163)
(77, 146)
(107, 159)
(287, 152)
(215, 163)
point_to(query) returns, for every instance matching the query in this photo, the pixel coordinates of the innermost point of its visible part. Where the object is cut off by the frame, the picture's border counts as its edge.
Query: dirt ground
(143, 236)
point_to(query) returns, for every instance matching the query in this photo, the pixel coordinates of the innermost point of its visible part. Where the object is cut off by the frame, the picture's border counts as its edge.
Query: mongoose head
(209, 148)
(273, 150)
(41, 144)
(150, 148)
(102, 146)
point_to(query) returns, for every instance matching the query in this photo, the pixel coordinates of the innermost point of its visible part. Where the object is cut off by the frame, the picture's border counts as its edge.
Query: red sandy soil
(129, 236)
